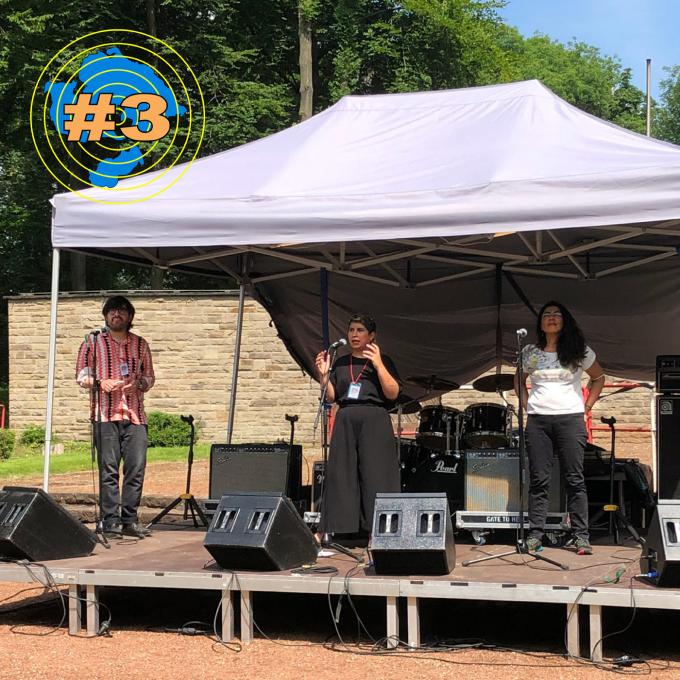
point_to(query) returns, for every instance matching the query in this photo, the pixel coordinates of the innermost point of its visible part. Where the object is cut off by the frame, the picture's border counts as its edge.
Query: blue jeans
(564, 436)
(121, 440)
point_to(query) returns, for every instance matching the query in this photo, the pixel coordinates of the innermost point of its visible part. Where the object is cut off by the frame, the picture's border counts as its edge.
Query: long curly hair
(571, 344)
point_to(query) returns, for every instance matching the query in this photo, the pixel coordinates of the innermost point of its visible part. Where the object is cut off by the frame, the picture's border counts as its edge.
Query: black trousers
(362, 462)
(121, 440)
(565, 435)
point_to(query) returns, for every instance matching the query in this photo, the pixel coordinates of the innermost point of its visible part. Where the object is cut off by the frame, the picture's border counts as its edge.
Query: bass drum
(432, 426)
(435, 472)
(486, 426)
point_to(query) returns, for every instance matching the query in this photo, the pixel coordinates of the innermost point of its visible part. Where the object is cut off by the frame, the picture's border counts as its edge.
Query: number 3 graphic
(153, 115)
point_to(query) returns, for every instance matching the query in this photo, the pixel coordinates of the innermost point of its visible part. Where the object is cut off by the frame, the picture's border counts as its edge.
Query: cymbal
(408, 404)
(498, 382)
(433, 383)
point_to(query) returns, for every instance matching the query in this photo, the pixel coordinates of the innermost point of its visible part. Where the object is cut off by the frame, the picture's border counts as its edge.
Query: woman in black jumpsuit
(363, 458)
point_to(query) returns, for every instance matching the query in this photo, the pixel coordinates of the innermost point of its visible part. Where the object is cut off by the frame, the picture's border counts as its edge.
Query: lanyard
(351, 371)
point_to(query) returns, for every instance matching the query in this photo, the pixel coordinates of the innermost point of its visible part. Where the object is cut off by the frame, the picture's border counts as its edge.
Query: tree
(668, 120)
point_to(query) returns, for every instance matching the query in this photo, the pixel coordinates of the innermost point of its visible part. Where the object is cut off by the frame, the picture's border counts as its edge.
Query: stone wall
(192, 337)
(192, 340)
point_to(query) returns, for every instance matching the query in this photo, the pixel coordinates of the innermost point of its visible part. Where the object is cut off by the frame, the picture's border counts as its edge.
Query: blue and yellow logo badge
(114, 105)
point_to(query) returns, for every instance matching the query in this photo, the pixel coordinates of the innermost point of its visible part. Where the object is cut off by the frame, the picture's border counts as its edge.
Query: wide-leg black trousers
(362, 462)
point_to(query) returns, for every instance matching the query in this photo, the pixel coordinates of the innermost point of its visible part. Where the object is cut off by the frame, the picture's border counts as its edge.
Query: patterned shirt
(129, 360)
(555, 389)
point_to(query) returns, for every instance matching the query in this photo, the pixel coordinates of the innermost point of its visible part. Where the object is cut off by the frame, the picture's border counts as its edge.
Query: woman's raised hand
(322, 363)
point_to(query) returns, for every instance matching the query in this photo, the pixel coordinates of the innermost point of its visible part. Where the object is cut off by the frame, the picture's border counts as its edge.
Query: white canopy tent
(416, 192)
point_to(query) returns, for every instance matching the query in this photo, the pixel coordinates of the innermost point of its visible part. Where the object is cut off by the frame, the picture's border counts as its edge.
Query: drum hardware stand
(190, 503)
(520, 543)
(617, 518)
(96, 437)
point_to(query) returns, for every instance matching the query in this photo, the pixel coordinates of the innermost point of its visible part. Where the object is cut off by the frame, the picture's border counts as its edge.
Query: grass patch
(28, 461)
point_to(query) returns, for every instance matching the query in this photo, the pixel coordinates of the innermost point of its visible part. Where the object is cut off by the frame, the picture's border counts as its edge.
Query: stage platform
(176, 559)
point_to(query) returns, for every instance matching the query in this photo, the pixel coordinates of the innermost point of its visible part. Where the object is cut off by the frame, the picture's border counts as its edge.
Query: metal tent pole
(51, 362)
(237, 356)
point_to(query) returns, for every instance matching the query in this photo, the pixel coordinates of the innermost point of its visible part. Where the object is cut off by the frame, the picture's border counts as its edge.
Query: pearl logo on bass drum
(441, 467)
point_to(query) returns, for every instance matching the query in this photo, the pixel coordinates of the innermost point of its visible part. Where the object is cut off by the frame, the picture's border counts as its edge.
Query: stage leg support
(413, 622)
(228, 633)
(595, 620)
(75, 610)
(92, 609)
(246, 617)
(573, 647)
(392, 622)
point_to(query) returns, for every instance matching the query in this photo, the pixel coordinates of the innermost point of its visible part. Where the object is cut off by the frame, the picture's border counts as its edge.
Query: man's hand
(112, 384)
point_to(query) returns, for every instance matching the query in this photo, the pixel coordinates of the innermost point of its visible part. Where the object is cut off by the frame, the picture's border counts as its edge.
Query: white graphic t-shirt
(555, 389)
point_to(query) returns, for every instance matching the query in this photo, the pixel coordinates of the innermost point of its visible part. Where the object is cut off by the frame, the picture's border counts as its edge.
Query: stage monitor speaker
(34, 527)
(412, 534)
(259, 531)
(272, 468)
(661, 553)
(668, 447)
(492, 482)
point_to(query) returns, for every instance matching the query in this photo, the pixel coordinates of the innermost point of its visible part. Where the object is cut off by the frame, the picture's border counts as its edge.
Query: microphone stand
(190, 503)
(322, 413)
(520, 543)
(617, 518)
(95, 438)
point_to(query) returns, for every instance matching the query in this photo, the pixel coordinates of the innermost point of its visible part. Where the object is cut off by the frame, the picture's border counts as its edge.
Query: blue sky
(632, 30)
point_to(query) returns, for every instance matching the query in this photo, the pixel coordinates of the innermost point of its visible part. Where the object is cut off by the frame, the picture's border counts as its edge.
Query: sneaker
(112, 530)
(135, 530)
(534, 544)
(582, 546)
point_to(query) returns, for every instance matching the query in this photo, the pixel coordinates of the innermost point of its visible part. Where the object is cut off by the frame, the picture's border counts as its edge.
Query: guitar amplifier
(270, 468)
(492, 482)
(668, 374)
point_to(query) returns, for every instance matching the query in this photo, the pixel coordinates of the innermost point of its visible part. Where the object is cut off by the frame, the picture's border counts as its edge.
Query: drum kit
(435, 460)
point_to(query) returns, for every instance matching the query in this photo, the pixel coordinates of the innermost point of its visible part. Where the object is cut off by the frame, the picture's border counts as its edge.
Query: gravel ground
(138, 649)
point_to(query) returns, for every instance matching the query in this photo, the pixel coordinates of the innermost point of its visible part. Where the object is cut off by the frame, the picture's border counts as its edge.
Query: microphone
(338, 343)
(96, 332)
(521, 333)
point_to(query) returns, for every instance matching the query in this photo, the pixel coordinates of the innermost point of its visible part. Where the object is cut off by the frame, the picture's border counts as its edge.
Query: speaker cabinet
(318, 478)
(661, 553)
(668, 447)
(492, 482)
(259, 531)
(34, 527)
(271, 468)
(412, 534)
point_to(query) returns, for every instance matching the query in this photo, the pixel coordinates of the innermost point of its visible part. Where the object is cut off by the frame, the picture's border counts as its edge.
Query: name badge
(124, 371)
(353, 391)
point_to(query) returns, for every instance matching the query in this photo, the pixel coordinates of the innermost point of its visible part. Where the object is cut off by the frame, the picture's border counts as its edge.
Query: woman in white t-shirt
(555, 423)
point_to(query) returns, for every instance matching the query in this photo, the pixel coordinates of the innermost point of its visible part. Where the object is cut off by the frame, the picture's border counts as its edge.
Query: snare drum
(432, 427)
(486, 426)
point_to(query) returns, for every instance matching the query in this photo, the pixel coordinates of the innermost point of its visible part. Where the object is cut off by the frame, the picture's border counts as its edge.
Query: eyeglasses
(555, 314)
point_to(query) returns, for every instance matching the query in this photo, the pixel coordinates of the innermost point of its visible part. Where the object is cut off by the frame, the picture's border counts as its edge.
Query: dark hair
(119, 302)
(368, 322)
(571, 343)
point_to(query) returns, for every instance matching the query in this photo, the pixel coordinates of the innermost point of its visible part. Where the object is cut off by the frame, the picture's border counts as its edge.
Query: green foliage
(33, 435)
(7, 438)
(167, 429)
(668, 119)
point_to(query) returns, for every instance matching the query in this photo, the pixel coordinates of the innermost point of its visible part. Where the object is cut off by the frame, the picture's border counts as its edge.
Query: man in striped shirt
(116, 366)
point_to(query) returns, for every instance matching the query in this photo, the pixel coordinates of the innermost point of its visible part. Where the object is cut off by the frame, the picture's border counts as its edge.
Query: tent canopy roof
(502, 158)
